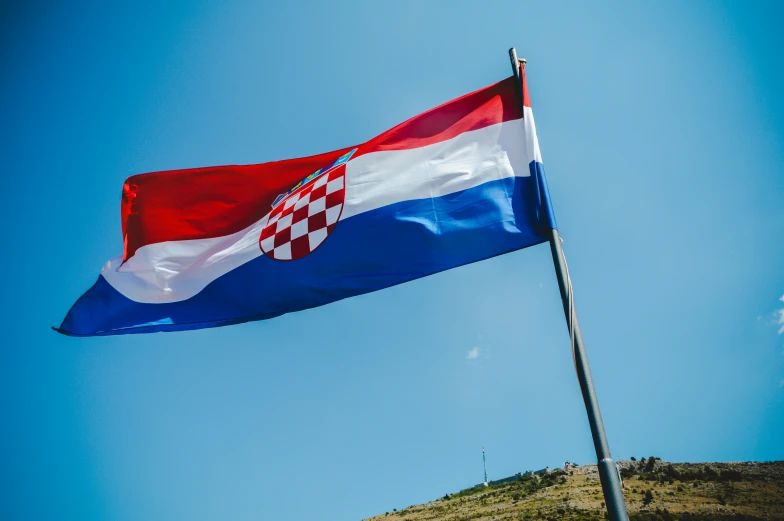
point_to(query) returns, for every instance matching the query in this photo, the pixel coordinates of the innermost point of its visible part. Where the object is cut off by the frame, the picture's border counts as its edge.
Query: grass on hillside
(654, 491)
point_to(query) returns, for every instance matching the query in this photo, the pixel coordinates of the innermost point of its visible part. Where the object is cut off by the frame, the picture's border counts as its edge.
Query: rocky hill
(654, 490)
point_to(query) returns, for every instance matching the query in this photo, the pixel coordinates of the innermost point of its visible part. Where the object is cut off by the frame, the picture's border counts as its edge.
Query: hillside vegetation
(654, 491)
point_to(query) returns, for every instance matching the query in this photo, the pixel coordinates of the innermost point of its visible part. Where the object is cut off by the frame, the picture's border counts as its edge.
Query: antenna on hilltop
(484, 462)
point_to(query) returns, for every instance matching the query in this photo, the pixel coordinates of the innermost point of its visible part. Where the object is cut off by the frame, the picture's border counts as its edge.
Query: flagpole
(608, 471)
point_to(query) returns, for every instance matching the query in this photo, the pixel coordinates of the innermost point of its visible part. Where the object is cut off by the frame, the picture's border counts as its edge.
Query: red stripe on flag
(479, 109)
(201, 203)
(526, 99)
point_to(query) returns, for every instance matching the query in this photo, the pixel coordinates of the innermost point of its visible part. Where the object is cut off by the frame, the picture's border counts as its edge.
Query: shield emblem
(302, 219)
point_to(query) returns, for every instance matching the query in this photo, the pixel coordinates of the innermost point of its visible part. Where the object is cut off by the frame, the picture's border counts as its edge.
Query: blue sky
(662, 130)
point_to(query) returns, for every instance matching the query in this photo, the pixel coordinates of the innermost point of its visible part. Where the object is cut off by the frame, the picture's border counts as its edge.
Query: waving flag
(215, 246)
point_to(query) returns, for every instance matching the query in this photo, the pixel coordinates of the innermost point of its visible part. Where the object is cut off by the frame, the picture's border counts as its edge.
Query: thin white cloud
(780, 320)
(473, 354)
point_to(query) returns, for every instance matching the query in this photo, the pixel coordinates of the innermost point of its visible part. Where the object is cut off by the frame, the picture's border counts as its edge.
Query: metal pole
(484, 463)
(608, 471)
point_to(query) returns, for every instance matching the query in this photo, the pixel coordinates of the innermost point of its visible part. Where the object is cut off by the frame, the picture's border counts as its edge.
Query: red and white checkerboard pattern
(302, 221)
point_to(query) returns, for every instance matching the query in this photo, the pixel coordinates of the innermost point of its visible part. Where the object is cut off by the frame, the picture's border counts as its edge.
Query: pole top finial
(516, 62)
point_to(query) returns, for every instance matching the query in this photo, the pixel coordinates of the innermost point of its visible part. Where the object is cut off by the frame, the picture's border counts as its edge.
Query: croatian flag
(214, 246)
